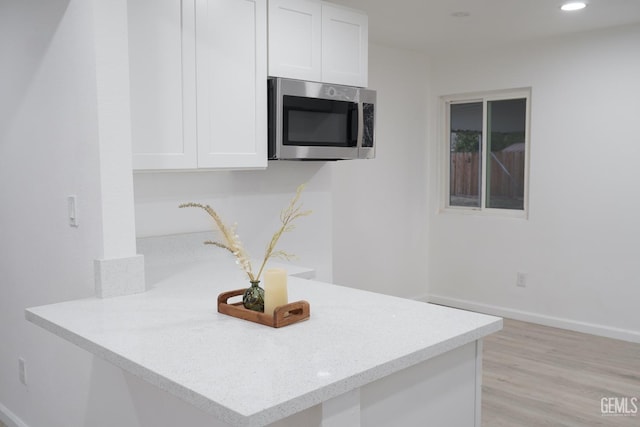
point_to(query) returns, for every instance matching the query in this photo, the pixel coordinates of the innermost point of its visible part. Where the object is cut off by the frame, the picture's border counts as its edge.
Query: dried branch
(287, 216)
(218, 244)
(231, 241)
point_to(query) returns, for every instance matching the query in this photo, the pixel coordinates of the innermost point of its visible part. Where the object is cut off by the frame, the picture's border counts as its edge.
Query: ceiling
(429, 25)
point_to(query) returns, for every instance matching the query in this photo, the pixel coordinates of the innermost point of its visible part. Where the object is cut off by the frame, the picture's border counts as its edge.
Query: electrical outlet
(521, 281)
(22, 371)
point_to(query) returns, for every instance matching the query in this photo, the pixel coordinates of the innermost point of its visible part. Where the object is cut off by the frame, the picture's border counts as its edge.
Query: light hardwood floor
(540, 376)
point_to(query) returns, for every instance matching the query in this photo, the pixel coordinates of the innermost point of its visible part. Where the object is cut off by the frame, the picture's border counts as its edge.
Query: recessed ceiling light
(576, 5)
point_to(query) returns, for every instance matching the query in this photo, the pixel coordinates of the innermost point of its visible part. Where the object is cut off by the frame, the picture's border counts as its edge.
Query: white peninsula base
(441, 392)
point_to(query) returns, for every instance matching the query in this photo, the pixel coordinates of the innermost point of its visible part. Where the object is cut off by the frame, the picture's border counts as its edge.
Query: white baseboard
(527, 316)
(10, 419)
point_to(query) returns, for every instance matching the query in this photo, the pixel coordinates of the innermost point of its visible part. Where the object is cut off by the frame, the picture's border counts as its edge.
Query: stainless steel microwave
(319, 121)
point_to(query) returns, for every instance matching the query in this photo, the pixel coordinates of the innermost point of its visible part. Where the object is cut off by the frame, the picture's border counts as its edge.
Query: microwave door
(316, 128)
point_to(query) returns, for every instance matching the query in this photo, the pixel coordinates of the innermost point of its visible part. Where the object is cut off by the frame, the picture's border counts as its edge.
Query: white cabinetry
(345, 35)
(198, 83)
(318, 41)
(162, 83)
(295, 45)
(231, 54)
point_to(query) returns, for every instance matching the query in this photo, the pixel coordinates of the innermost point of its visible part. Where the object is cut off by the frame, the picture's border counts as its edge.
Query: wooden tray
(282, 316)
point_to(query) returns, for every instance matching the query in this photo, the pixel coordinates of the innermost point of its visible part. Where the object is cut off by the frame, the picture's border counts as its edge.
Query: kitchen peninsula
(361, 359)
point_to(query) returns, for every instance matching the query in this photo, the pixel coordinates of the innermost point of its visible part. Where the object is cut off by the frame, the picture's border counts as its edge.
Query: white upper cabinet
(295, 39)
(198, 83)
(162, 84)
(318, 41)
(345, 53)
(231, 52)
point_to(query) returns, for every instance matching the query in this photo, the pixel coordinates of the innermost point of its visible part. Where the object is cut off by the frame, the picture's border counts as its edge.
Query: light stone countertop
(173, 337)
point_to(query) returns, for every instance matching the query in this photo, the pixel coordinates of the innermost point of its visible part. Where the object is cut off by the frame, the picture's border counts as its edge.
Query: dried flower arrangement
(231, 241)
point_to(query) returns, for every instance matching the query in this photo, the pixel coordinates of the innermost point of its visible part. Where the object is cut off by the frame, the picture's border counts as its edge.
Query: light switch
(73, 211)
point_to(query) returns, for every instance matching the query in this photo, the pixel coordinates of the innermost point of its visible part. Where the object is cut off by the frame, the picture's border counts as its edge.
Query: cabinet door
(345, 54)
(295, 39)
(162, 83)
(231, 61)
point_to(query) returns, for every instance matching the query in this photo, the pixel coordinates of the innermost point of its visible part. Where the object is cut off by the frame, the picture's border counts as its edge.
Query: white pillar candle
(275, 289)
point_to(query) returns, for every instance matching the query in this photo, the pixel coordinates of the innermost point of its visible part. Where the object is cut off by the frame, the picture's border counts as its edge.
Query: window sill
(495, 213)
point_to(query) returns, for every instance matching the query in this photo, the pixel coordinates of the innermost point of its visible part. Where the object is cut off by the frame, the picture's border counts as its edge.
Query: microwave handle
(360, 124)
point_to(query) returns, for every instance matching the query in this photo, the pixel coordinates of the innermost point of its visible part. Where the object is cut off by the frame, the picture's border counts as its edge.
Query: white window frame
(483, 97)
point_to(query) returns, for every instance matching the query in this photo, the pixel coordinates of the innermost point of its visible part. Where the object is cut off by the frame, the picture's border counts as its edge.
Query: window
(487, 146)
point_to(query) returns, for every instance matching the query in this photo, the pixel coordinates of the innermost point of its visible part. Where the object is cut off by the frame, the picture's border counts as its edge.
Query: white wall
(252, 199)
(580, 243)
(48, 150)
(379, 206)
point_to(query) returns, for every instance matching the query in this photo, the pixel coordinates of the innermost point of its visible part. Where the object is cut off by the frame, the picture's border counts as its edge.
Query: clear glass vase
(253, 297)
